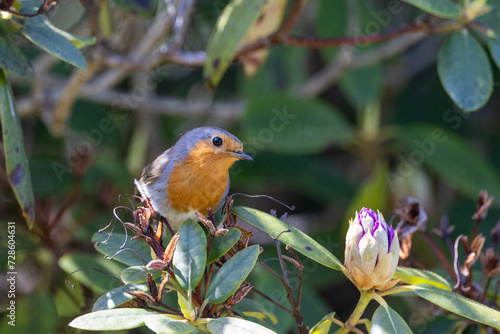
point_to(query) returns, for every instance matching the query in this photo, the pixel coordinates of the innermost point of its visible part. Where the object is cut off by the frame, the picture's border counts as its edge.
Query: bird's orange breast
(200, 181)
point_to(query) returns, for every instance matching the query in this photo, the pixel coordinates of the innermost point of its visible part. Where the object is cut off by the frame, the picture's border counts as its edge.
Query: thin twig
(439, 253)
(263, 295)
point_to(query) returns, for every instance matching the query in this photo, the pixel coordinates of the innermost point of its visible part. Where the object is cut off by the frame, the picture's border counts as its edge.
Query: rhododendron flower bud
(371, 252)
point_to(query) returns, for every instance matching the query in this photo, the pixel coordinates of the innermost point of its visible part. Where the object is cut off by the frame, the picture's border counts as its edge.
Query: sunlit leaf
(415, 276)
(465, 71)
(230, 276)
(138, 274)
(232, 26)
(41, 32)
(289, 235)
(95, 272)
(387, 321)
(117, 296)
(134, 252)
(323, 326)
(17, 166)
(221, 244)
(443, 8)
(236, 326)
(14, 61)
(165, 325)
(114, 319)
(190, 255)
(460, 305)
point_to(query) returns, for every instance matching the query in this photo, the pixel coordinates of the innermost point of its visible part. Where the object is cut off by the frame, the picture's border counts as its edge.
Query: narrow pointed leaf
(323, 326)
(138, 274)
(297, 239)
(134, 252)
(230, 276)
(41, 32)
(460, 305)
(117, 297)
(114, 319)
(465, 71)
(14, 61)
(387, 321)
(190, 255)
(236, 326)
(441, 8)
(415, 276)
(222, 244)
(230, 29)
(17, 166)
(165, 325)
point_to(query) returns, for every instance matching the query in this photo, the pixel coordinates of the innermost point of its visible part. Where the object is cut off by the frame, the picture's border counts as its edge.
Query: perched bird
(192, 174)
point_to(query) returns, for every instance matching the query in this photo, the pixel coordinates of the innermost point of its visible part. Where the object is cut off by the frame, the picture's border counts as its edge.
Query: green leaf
(415, 276)
(138, 274)
(142, 8)
(273, 122)
(465, 71)
(230, 29)
(17, 166)
(323, 326)
(441, 8)
(236, 326)
(387, 321)
(297, 239)
(14, 61)
(460, 305)
(230, 276)
(363, 86)
(117, 297)
(450, 158)
(165, 325)
(494, 46)
(114, 319)
(190, 255)
(41, 32)
(94, 272)
(134, 250)
(222, 244)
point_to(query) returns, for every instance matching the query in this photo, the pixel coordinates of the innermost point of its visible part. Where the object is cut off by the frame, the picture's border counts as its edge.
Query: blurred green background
(360, 137)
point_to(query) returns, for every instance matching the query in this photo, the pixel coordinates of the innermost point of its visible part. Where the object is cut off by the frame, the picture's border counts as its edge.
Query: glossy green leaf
(415, 276)
(236, 326)
(273, 122)
(114, 319)
(460, 305)
(95, 272)
(387, 321)
(323, 326)
(117, 297)
(230, 276)
(190, 255)
(222, 244)
(14, 61)
(17, 166)
(465, 71)
(494, 46)
(164, 325)
(138, 274)
(450, 158)
(442, 8)
(41, 32)
(230, 29)
(134, 252)
(142, 8)
(297, 239)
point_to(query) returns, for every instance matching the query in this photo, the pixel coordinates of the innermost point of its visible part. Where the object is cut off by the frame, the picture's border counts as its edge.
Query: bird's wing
(153, 171)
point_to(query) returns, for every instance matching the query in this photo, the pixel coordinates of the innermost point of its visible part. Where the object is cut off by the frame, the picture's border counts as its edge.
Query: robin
(191, 175)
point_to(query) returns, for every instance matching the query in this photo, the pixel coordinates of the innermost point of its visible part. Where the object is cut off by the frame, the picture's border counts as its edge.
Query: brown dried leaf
(413, 217)
(482, 206)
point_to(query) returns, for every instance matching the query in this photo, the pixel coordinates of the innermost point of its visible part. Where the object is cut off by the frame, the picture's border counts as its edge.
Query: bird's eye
(217, 141)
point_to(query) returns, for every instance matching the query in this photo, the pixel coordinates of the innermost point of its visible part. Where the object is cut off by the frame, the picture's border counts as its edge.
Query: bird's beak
(241, 155)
